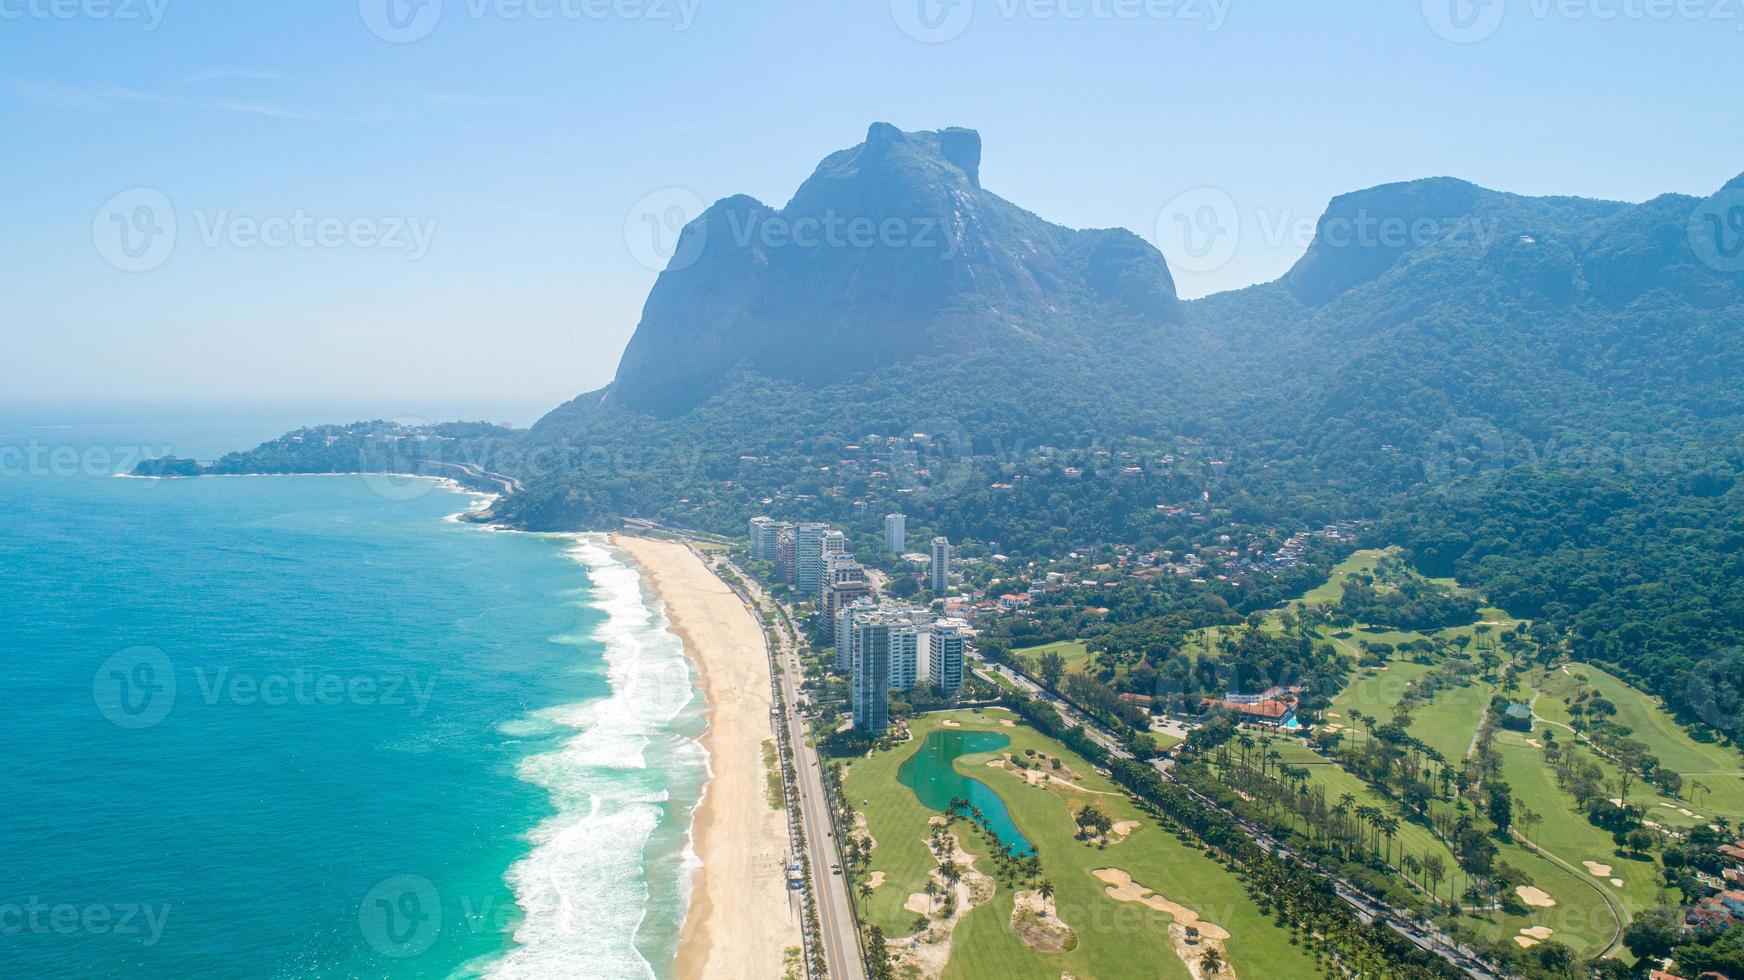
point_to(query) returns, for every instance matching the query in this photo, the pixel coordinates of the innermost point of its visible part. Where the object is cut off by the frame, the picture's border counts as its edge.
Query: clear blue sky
(521, 145)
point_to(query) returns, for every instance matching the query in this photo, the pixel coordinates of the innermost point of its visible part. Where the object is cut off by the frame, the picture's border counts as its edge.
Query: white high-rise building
(764, 533)
(870, 685)
(895, 533)
(831, 546)
(845, 632)
(946, 645)
(941, 568)
(905, 653)
(808, 556)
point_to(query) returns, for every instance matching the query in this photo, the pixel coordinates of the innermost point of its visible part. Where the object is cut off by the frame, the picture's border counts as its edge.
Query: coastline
(740, 918)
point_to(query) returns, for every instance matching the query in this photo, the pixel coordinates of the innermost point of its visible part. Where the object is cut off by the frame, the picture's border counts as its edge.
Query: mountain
(890, 250)
(1540, 395)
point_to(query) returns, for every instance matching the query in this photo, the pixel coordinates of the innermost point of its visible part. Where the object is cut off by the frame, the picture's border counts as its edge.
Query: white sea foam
(584, 889)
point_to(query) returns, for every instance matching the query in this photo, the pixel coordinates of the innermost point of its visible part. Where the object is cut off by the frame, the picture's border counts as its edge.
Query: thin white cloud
(88, 98)
(234, 74)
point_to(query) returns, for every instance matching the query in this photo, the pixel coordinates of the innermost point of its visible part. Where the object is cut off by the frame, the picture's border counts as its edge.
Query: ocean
(314, 727)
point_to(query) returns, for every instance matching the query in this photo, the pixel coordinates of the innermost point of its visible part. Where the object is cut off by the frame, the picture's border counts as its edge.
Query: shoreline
(739, 921)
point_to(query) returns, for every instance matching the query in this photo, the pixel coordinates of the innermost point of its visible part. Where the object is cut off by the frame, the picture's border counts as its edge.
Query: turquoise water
(308, 727)
(933, 777)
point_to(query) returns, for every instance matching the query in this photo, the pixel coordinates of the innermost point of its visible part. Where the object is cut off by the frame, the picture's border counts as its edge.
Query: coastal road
(841, 933)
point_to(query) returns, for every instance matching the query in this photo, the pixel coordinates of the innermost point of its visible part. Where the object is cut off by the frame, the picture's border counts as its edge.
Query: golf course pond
(930, 773)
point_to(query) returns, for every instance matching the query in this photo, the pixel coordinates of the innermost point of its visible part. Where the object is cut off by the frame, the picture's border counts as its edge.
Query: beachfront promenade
(839, 929)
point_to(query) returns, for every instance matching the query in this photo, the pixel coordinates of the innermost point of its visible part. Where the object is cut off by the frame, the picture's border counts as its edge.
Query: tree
(1211, 962)
(1501, 805)
(878, 955)
(1653, 934)
(1052, 668)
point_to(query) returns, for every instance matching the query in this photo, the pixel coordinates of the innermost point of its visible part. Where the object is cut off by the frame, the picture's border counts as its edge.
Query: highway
(841, 933)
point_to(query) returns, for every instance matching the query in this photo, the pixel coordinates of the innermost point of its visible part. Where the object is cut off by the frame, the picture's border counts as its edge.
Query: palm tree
(1211, 963)
(1390, 827)
(1411, 865)
(1434, 869)
(1046, 888)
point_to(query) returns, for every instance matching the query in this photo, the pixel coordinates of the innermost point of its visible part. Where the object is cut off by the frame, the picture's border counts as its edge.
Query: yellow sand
(1540, 933)
(1535, 897)
(1122, 888)
(738, 924)
(875, 879)
(1598, 870)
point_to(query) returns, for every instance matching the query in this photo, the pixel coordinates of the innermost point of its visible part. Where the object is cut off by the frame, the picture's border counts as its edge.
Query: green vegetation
(1114, 939)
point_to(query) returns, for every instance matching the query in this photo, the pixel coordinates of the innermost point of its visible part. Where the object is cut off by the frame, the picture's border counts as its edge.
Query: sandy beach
(739, 921)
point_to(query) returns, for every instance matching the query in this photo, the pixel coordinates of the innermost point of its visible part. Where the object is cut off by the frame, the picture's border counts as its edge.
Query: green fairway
(1448, 723)
(1413, 838)
(1072, 653)
(1374, 692)
(1329, 592)
(1115, 940)
(1566, 833)
(1715, 766)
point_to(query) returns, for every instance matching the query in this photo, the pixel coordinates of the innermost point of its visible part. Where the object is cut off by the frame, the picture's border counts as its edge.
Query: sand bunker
(1598, 870)
(1038, 924)
(875, 879)
(1008, 723)
(1121, 830)
(1536, 897)
(919, 903)
(1535, 743)
(937, 821)
(1616, 882)
(1333, 714)
(1538, 932)
(1525, 942)
(948, 723)
(1122, 888)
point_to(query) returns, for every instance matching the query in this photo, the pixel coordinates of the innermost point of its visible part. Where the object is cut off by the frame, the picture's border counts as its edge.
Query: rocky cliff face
(890, 250)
